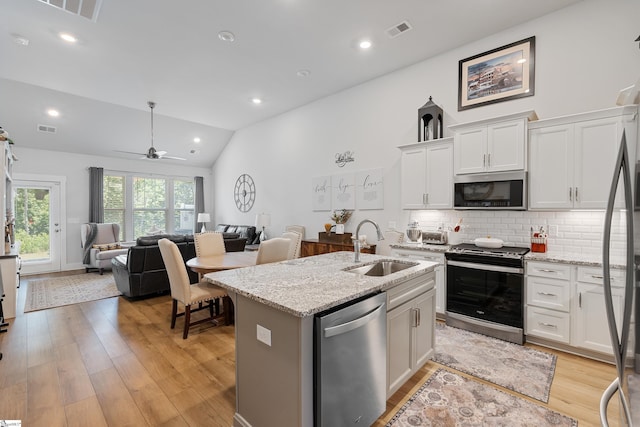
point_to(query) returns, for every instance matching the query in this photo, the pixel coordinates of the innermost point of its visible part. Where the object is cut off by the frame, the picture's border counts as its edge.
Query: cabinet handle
(416, 317)
(549, 325)
(489, 160)
(576, 194)
(547, 294)
(544, 270)
(580, 300)
(595, 276)
(484, 160)
(571, 194)
(426, 199)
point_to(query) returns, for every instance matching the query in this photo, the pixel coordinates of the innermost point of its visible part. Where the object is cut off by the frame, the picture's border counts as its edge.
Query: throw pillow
(107, 246)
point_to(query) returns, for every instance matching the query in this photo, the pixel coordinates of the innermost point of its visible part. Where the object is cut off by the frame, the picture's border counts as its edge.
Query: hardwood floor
(115, 362)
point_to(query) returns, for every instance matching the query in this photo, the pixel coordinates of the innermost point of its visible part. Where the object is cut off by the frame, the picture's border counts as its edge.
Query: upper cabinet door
(505, 146)
(551, 167)
(413, 170)
(470, 148)
(439, 176)
(596, 150)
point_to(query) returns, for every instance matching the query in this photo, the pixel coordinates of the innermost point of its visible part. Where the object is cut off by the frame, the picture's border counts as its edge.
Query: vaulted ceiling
(177, 53)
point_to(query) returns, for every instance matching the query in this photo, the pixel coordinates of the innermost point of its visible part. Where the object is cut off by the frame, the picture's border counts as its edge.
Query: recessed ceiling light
(365, 44)
(226, 36)
(196, 140)
(53, 113)
(303, 73)
(256, 100)
(68, 37)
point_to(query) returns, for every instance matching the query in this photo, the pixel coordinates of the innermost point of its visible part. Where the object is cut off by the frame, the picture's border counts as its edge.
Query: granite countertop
(310, 285)
(421, 247)
(573, 258)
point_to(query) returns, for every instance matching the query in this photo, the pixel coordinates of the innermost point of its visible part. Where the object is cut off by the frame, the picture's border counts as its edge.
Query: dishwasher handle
(354, 324)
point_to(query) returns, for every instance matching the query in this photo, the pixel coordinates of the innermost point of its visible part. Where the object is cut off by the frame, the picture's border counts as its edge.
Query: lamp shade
(263, 220)
(204, 217)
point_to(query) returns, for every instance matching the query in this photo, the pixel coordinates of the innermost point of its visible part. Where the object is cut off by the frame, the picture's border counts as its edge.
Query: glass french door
(37, 224)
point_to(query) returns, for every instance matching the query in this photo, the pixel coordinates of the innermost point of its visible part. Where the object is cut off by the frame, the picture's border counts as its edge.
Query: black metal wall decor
(430, 125)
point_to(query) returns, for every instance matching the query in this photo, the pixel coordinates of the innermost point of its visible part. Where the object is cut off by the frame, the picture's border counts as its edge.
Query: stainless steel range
(485, 290)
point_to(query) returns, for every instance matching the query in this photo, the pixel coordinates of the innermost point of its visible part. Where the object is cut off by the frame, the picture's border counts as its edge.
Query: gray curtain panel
(199, 200)
(96, 188)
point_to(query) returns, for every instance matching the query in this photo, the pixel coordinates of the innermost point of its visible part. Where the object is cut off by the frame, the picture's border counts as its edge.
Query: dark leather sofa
(142, 272)
(247, 232)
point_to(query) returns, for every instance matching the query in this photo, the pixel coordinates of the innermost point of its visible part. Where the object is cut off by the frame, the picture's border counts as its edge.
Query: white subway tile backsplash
(579, 232)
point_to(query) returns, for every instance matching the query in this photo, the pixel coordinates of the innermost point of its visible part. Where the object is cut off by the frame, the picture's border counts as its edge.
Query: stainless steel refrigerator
(625, 335)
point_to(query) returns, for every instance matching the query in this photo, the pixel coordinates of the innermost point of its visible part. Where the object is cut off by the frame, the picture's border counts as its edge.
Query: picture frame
(501, 74)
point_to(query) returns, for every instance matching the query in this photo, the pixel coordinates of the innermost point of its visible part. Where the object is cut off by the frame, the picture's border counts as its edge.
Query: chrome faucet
(356, 240)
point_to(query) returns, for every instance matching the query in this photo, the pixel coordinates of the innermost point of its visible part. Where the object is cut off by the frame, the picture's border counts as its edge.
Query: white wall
(584, 55)
(75, 168)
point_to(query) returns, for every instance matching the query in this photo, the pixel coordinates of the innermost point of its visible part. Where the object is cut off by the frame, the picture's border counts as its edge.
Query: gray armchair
(100, 244)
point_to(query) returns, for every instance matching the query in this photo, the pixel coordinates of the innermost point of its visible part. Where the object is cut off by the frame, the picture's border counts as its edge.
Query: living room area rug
(522, 369)
(449, 399)
(64, 290)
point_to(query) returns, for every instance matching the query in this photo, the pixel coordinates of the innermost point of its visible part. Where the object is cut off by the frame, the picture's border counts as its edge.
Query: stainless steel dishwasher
(350, 362)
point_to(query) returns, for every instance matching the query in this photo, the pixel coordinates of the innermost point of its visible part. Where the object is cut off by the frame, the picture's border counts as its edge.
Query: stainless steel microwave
(491, 191)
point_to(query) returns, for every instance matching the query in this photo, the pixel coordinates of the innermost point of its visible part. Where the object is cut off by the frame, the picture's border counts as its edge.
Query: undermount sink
(381, 268)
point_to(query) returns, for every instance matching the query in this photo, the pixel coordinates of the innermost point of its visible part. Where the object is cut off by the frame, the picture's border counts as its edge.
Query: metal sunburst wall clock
(244, 193)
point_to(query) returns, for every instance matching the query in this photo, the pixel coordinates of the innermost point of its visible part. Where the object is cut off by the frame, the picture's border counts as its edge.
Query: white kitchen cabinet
(410, 330)
(494, 145)
(426, 175)
(548, 303)
(571, 159)
(440, 272)
(592, 329)
(565, 304)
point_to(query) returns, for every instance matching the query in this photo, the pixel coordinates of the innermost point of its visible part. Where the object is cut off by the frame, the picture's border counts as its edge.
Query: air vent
(46, 129)
(398, 29)
(86, 8)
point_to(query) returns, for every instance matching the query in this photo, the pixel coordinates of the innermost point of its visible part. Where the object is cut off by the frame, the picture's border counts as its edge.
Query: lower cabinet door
(399, 360)
(424, 333)
(410, 338)
(592, 330)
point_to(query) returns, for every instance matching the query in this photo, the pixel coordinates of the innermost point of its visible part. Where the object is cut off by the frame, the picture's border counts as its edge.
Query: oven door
(486, 292)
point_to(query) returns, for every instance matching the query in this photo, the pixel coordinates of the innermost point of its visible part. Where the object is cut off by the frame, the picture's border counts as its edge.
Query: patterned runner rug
(65, 290)
(515, 367)
(448, 399)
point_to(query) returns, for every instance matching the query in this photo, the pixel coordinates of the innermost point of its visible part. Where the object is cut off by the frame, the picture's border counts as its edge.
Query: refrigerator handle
(619, 342)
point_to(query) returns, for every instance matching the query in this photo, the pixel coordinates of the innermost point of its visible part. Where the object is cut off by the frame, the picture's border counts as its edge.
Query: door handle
(580, 300)
(571, 194)
(576, 194)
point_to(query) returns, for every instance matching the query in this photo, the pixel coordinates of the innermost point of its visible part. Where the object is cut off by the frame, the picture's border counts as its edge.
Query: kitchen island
(275, 305)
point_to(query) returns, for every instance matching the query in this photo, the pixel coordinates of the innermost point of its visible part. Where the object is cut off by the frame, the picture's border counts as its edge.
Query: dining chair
(209, 243)
(298, 228)
(273, 250)
(383, 247)
(296, 241)
(184, 292)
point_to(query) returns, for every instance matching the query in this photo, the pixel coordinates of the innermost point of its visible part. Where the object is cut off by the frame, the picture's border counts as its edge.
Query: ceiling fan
(152, 153)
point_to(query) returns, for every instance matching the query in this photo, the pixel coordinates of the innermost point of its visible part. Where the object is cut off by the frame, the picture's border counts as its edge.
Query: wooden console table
(312, 247)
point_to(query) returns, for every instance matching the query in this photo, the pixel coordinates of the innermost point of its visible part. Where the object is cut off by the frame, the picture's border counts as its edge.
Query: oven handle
(487, 267)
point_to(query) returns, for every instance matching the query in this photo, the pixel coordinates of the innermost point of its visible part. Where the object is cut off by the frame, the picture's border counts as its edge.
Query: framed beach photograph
(498, 75)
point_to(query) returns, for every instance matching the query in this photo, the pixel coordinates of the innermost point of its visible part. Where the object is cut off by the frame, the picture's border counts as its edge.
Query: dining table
(226, 261)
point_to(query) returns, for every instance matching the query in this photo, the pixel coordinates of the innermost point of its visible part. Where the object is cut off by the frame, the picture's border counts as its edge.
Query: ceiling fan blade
(172, 158)
(130, 152)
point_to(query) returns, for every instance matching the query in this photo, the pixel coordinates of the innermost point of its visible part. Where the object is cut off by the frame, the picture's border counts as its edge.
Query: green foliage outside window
(32, 222)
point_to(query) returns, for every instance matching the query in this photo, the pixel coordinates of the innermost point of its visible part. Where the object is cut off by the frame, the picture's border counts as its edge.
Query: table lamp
(263, 220)
(203, 218)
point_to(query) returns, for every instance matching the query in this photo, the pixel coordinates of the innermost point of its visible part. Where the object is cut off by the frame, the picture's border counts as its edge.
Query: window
(113, 200)
(145, 205)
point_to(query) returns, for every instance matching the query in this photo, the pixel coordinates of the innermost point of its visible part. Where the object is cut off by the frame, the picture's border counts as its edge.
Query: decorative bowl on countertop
(488, 242)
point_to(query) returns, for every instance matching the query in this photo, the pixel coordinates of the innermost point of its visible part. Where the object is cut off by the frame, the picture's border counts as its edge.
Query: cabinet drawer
(404, 292)
(421, 255)
(549, 293)
(594, 275)
(548, 269)
(549, 324)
